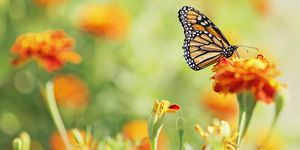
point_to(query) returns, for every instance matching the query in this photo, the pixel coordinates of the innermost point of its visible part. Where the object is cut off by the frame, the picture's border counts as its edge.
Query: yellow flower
(51, 49)
(160, 108)
(106, 20)
(70, 91)
(218, 136)
(254, 74)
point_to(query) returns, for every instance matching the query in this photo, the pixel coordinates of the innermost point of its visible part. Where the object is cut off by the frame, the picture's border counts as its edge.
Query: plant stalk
(52, 107)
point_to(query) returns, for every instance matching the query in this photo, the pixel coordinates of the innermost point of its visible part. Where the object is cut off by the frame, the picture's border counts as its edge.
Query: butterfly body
(228, 52)
(204, 43)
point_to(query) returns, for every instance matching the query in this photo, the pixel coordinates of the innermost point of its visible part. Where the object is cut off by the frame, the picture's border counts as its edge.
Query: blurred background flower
(222, 106)
(70, 91)
(106, 20)
(262, 7)
(51, 49)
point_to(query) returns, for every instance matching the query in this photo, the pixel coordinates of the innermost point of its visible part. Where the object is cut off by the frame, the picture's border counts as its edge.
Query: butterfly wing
(202, 49)
(191, 19)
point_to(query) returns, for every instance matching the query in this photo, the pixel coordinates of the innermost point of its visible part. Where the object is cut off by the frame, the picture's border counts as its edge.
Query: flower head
(254, 74)
(106, 20)
(70, 91)
(51, 49)
(218, 136)
(221, 106)
(160, 108)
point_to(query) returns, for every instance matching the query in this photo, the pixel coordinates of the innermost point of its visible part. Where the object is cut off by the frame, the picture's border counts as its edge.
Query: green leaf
(247, 104)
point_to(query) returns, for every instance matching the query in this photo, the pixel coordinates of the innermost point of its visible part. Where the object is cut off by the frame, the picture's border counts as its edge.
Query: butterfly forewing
(192, 19)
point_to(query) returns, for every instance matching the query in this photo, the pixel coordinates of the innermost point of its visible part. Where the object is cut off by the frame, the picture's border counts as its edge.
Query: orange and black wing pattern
(192, 19)
(202, 49)
(204, 42)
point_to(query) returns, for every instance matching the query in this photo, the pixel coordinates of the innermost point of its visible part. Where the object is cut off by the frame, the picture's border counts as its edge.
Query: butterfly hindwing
(201, 50)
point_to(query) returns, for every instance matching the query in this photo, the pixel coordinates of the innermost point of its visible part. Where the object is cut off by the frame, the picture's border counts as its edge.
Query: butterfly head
(228, 52)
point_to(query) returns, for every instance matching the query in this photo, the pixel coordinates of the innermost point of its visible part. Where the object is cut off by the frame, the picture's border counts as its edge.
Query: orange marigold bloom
(106, 20)
(136, 130)
(56, 141)
(51, 49)
(224, 107)
(254, 74)
(70, 91)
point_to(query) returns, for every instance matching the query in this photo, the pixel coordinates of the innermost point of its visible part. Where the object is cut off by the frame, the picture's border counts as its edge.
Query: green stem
(153, 143)
(247, 104)
(180, 130)
(180, 143)
(155, 125)
(241, 126)
(50, 99)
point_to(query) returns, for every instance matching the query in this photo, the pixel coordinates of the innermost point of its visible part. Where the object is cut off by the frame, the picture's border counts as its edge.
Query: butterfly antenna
(248, 47)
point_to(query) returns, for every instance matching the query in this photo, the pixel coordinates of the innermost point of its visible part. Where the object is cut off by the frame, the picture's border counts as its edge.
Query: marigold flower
(218, 136)
(56, 142)
(254, 74)
(136, 130)
(51, 49)
(106, 20)
(70, 91)
(221, 106)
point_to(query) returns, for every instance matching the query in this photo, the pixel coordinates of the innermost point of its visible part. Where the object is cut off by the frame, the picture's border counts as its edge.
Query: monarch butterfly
(204, 43)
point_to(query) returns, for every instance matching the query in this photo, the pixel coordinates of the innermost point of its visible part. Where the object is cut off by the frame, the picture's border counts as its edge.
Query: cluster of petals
(218, 133)
(164, 106)
(256, 75)
(51, 49)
